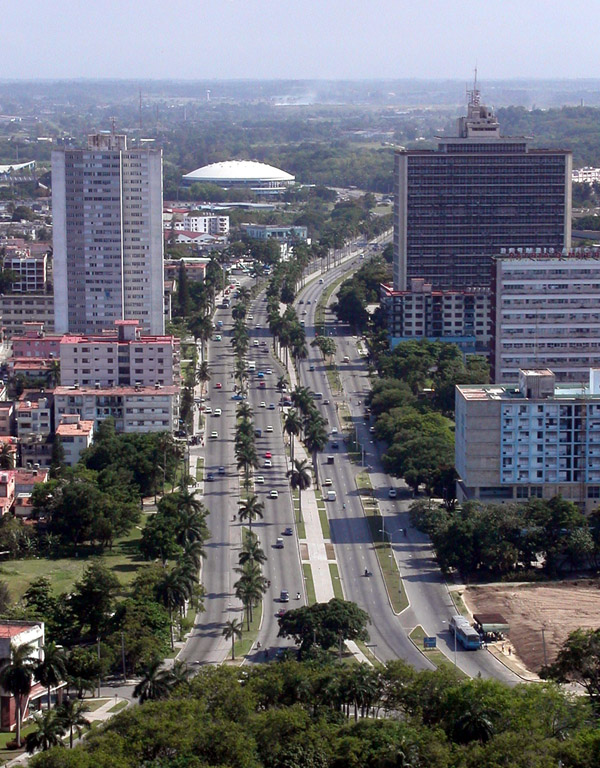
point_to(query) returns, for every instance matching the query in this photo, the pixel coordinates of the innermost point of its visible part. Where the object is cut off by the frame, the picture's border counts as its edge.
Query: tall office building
(476, 195)
(108, 240)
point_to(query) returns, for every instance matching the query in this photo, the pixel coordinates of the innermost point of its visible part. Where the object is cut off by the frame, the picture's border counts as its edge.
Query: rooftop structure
(259, 177)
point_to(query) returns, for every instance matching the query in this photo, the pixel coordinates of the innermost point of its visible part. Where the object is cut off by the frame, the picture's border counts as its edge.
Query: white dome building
(260, 178)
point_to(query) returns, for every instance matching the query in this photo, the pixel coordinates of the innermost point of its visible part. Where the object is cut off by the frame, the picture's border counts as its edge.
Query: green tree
(578, 661)
(156, 682)
(71, 714)
(300, 480)
(49, 732)
(57, 459)
(291, 426)
(51, 670)
(251, 509)
(94, 596)
(325, 624)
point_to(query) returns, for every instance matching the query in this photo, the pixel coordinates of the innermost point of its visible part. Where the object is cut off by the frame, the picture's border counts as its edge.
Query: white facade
(586, 175)
(18, 309)
(107, 233)
(76, 435)
(536, 439)
(134, 409)
(124, 358)
(546, 314)
(210, 225)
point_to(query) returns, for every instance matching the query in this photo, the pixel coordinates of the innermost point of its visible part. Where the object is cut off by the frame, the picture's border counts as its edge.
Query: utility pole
(123, 656)
(99, 670)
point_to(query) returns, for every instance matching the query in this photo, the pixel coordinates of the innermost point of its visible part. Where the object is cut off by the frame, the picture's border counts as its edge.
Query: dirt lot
(558, 608)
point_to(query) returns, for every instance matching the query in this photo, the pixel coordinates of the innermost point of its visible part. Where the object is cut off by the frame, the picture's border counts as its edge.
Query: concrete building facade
(476, 194)
(76, 435)
(457, 317)
(546, 313)
(107, 232)
(16, 310)
(537, 438)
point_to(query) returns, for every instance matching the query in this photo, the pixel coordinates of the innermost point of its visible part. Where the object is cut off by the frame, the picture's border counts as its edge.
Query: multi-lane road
(430, 603)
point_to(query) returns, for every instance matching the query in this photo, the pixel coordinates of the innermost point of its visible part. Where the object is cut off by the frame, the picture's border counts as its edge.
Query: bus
(466, 635)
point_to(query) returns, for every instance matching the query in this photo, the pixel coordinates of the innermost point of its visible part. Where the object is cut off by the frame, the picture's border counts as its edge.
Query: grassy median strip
(309, 584)
(433, 654)
(200, 469)
(322, 514)
(333, 377)
(336, 581)
(459, 603)
(300, 527)
(385, 555)
(246, 643)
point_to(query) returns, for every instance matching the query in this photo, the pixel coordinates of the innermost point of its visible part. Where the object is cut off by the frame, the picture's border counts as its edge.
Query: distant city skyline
(308, 39)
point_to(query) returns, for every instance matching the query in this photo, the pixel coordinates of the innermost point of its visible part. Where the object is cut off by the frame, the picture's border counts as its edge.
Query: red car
(268, 455)
(281, 612)
(218, 385)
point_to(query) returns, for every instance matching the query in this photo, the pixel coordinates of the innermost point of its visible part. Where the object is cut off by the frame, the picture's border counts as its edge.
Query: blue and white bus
(466, 635)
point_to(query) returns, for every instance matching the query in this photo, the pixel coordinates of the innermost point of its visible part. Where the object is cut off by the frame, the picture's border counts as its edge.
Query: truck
(464, 633)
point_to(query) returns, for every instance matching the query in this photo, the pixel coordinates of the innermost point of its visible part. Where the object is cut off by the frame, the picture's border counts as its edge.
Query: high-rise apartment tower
(108, 239)
(478, 194)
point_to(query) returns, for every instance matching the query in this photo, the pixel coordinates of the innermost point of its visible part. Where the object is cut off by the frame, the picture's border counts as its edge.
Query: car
(263, 343)
(218, 337)
(308, 301)
(304, 312)
(372, 430)
(325, 402)
(260, 375)
(321, 281)
(262, 385)
(302, 323)
(269, 428)
(392, 493)
(214, 435)
(210, 477)
(281, 612)
(207, 410)
(268, 455)
(334, 431)
(271, 406)
(218, 385)
(250, 317)
(288, 532)
(263, 351)
(259, 479)
(269, 371)
(237, 396)
(328, 481)
(217, 412)
(335, 445)
(284, 596)
(221, 470)
(301, 301)
(257, 326)
(311, 367)
(268, 464)
(263, 404)
(274, 494)
(346, 359)
(279, 543)
(256, 343)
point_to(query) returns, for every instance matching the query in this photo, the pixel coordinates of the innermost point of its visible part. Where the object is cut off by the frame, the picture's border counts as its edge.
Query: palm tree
(175, 588)
(201, 328)
(202, 375)
(16, 677)
(52, 669)
(302, 399)
(71, 716)
(180, 673)
(233, 631)
(300, 479)
(49, 733)
(188, 502)
(191, 526)
(250, 588)
(244, 411)
(281, 383)
(156, 682)
(7, 456)
(476, 723)
(251, 551)
(315, 439)
(292, 426)
(251, 509)
(244, 295)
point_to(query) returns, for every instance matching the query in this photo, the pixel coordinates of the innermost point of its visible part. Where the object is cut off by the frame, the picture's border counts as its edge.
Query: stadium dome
(242, 173)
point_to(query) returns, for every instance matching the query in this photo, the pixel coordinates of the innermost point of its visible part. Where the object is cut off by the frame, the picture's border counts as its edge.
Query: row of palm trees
(18, 676)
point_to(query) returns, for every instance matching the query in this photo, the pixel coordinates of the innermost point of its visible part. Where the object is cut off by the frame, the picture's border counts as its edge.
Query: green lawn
(117, 708)
(124, 561)
(336, 581)
(322, 514)
(200, 469)
(435, 657)
(10, 754)
(309, 584)
(245, 645)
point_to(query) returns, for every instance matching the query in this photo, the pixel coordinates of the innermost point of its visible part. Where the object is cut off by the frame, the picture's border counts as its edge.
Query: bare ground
(558, 609)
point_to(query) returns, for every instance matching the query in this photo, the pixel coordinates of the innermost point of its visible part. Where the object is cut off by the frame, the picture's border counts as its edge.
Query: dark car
(288, 532)
(210, 477)
(335, 445)
(221, 470)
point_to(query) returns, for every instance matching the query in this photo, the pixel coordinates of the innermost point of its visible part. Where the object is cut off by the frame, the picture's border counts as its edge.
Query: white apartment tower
(108, 241)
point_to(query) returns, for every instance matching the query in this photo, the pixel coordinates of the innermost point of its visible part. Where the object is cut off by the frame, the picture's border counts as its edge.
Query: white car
(256, 342)
(334, 431)
(274, 494)
(268, 464)
(328, 481)
(217, 412)
(262, 404)
(269, 370)
(269, 428)
(208, 410)
(392, 493)
(214, 435)
(259, 480)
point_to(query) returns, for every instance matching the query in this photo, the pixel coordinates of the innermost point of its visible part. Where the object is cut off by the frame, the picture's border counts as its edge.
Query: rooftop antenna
(474, 95)
(113, 122)
(140, 110)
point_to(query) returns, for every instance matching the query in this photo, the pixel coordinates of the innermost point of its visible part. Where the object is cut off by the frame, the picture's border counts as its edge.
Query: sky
(299, 39)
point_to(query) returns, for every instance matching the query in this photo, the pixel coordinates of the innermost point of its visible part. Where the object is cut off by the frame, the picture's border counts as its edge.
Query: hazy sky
(196, 39)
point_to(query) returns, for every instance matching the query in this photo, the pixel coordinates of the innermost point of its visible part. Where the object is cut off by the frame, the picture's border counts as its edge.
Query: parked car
(274, 494)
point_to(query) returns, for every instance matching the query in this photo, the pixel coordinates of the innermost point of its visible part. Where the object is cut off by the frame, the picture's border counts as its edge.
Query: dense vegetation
(361, 289)
(536, 538)
(322, 715)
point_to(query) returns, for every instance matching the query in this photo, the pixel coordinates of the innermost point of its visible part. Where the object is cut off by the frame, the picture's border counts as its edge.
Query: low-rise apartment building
(545, 314)
(76, 434)
(18, 309)
(30, 269)
(537, 438)
(134, 409)
(120, 358)
(33, 413)
(196, 222)
(457, 317)
(283, 233)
